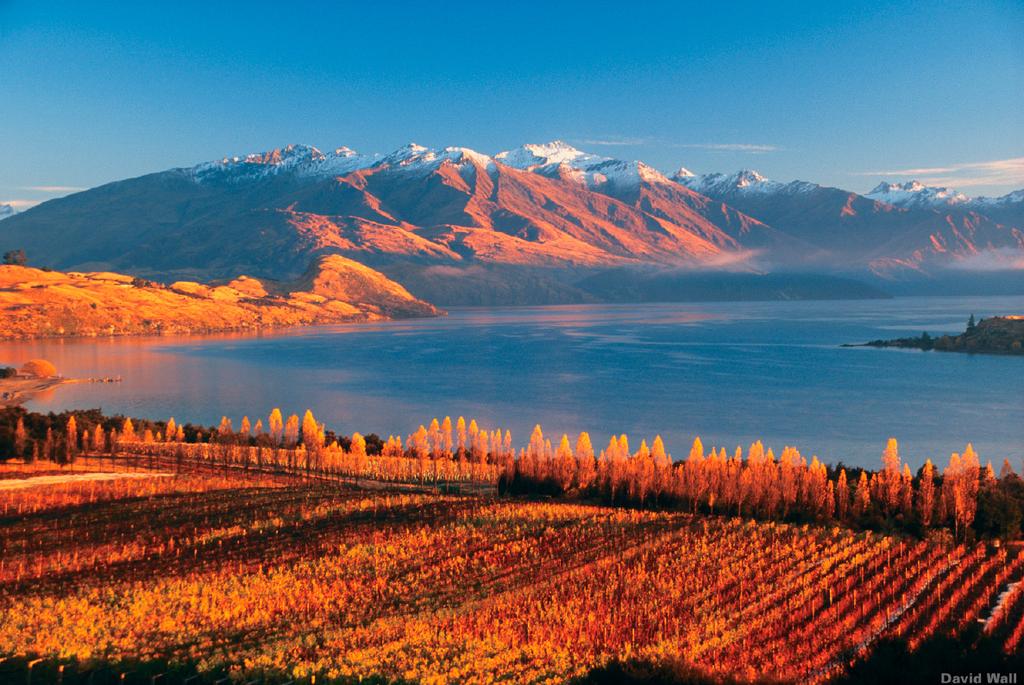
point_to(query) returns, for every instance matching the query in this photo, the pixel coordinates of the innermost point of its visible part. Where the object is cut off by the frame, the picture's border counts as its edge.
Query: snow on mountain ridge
(558, 158)
(1014, 197)
(555, 159)
(534, 155)
(745, 181)
(414, 155)
(308, 161)
(917, 194)
(303, 160)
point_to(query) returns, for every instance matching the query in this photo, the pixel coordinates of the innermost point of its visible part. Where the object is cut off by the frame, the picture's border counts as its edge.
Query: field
(272, 577)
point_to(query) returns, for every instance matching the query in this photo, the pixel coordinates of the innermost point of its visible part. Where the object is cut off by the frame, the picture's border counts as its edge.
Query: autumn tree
(965, 488)
(1007, 470)
(926, 495)
(310, 430)
(460, 432)
(644, 473)
(890, 480)
(907, 493)
(478, 448)
(20, 438)
(662, 466)
(99, 439)
(291, 431)
(275, 424)
(862, 495)
(225, 430)
(71, 440)
(446, 436)
(128, 431)
(434, 438)
(358, 452)
(471, 432)
(816, 489)
(695, 482)
(586, 468)
(565, 464)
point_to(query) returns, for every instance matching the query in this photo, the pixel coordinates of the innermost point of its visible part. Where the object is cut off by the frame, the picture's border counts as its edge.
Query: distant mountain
(917, 194)
(1007, 209)
(6, 211)
(850, 230)
(36, 303)
(523, 226)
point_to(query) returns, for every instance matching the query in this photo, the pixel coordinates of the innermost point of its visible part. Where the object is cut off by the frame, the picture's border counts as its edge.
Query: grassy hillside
(40, 303)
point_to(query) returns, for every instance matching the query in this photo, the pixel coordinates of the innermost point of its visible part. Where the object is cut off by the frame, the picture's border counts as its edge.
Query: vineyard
(194, 569)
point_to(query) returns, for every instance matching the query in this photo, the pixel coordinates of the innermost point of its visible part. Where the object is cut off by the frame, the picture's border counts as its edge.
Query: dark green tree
(15, 258)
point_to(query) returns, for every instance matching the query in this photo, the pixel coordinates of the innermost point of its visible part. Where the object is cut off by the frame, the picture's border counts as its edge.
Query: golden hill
(37, 303)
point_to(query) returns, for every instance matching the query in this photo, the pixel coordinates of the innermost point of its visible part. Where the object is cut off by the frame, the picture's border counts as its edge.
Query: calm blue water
(729, 372)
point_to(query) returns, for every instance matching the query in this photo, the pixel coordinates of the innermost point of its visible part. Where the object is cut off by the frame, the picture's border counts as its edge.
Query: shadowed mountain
(851, 232)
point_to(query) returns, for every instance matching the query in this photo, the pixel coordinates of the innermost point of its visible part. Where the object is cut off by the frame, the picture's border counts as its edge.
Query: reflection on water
(730, 372)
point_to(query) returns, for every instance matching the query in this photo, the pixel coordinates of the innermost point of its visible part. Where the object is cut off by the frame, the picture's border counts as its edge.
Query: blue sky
(839, 93)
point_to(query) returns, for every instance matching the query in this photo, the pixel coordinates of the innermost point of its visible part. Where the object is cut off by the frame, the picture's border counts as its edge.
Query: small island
(994, 335)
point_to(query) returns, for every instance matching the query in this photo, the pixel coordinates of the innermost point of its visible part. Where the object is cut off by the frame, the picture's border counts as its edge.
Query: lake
(729, 372)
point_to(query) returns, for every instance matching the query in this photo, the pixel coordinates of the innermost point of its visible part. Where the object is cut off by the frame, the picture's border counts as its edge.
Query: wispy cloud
(992, 260)
(751, 148)
(53, 189)
(996, 172)
(633, 141)
(616, 141)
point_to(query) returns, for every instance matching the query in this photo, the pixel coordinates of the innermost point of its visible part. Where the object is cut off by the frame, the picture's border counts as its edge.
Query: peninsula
(994, 335)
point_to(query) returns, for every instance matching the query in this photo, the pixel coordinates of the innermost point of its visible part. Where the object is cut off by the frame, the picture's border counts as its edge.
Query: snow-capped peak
(748, 177)
(683, 172)
(534, 155)
(465, 154)
(416, 156)
(406, 154)
(916, 194)
(743, 181)
(304, 160)
(560, 159)
(7, 211)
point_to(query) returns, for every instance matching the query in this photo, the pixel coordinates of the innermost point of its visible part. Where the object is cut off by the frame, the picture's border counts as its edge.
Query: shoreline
(15, 391)
(172, 332)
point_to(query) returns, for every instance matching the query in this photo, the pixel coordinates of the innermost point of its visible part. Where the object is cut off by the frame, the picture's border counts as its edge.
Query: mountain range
(540, 223)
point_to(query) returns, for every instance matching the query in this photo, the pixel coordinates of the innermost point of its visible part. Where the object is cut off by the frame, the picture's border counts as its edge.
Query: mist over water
(729, 372)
